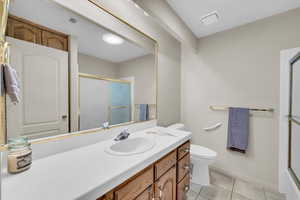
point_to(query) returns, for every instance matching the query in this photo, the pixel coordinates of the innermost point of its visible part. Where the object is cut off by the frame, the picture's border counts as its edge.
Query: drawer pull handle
(187, 167)
(160, 192)
(185, 150)
(186, 188)
(151, 194)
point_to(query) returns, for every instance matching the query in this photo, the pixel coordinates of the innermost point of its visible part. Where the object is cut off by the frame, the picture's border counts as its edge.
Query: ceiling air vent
(210, 18)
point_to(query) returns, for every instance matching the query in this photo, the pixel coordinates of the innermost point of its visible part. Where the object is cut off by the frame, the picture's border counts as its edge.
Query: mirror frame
(4, 55)
(291, 121)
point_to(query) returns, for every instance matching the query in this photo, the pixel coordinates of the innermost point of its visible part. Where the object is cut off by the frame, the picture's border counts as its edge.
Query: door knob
(64, 116)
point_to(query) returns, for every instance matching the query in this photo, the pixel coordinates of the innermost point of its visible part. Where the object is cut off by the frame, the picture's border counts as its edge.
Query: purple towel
(11, 83)
(238, 129)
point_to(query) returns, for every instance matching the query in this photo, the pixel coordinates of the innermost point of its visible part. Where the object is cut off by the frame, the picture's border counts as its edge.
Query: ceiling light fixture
(210, 18)
(112, 39)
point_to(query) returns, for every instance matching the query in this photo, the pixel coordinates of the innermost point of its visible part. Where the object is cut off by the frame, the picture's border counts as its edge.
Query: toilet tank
(177, 127)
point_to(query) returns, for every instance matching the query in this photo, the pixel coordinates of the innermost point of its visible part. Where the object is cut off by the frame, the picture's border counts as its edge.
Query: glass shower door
(94, 101)
(120, 103)
(294, 123)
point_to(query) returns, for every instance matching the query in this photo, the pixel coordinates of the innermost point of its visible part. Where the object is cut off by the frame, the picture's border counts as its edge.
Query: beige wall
(168, 19)
(92, 65)
(239, 67)
(143, 71)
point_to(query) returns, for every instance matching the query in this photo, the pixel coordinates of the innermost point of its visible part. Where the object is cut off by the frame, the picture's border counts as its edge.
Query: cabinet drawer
(135, 186)
(183, 188)
(183, 150)
(183, 167)
(165, 164)
(108, 196)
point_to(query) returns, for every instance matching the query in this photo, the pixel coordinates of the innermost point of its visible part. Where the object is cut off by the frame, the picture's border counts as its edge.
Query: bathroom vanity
(168, 178)
(91, 172)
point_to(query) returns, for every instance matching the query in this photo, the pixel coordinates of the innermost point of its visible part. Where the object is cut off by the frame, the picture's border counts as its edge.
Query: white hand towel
(11, 84)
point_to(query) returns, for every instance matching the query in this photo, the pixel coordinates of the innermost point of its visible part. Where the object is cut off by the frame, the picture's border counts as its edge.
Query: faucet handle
(105, 125)
(123, 135)
(125, 131)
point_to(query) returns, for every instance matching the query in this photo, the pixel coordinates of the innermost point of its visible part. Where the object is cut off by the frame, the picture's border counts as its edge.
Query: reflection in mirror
(116, 81)
(295, 122)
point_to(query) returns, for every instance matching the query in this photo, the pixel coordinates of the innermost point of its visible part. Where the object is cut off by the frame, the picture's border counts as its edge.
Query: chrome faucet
(123, 135)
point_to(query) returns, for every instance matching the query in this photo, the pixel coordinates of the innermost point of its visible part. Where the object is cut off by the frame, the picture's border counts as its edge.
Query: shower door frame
(292, 120)
(104, 78)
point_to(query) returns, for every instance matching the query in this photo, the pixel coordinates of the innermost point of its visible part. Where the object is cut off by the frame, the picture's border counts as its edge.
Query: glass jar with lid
(19, 156)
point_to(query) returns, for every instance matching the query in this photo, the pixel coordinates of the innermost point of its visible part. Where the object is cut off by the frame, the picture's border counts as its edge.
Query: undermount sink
(131, 146)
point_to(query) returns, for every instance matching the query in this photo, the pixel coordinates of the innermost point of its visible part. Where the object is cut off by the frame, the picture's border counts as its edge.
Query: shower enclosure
(294, 120)
(103, 100)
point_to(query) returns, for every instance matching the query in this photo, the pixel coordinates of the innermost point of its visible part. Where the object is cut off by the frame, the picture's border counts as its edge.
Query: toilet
(201, 158)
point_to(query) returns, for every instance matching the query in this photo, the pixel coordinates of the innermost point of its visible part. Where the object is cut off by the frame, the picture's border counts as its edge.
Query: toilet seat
(202, 152)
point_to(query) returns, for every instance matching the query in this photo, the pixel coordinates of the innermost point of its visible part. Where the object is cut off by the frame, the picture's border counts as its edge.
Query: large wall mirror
(74, 75)
(294, 122)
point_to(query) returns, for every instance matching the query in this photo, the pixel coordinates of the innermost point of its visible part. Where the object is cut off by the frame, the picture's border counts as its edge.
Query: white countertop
(87, 172)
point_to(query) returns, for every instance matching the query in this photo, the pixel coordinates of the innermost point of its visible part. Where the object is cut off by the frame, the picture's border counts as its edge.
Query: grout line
(198, 195)
(234, 180)
(265, 194)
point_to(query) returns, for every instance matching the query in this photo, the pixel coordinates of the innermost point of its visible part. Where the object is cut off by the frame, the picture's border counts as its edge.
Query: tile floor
(224, 187)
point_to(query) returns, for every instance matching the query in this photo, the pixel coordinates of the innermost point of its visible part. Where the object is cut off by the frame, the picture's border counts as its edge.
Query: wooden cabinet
(23, 31)
(166, 179)
(54, 40)
(165, 186)
(28, 31)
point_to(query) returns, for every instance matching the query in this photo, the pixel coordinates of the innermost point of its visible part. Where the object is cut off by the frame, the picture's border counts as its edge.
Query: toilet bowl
(201, 158)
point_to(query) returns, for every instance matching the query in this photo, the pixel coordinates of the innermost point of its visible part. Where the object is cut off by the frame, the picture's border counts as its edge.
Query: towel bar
(252, 109)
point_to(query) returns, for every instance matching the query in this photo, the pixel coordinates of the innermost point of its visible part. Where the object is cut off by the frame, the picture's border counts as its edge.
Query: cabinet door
(23, 31)
(147, 194)
(53, 40)
(165, 186)
(183, 188)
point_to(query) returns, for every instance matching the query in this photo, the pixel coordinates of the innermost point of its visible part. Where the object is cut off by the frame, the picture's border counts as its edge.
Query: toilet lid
(202, 152)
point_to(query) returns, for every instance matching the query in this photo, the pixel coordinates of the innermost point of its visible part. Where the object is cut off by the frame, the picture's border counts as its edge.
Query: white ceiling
(51, 15)
(232, 12)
